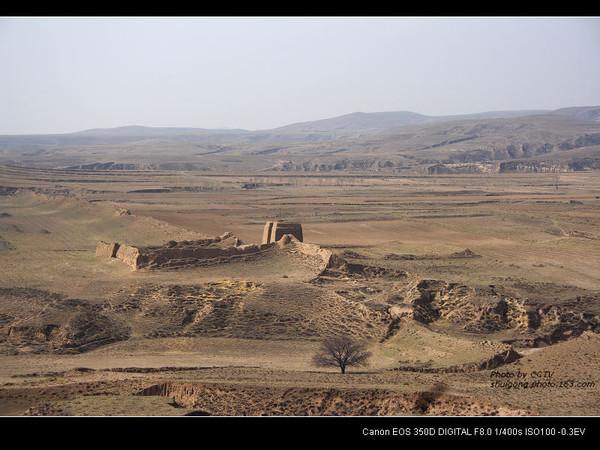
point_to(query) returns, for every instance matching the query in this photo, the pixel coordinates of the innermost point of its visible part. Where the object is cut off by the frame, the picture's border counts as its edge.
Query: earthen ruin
(178, 254)
(274, 231)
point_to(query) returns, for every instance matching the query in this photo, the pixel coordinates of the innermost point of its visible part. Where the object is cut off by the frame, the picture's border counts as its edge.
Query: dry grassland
(472, 263)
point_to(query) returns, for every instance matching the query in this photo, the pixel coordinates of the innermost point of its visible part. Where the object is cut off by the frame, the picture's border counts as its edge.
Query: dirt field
(442, 275)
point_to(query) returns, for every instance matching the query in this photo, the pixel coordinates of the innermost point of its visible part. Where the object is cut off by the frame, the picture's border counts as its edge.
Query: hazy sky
(59, 75)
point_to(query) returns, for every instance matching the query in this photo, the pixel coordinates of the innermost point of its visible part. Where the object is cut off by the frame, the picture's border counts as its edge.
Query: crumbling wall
(178, 254)
(181, 256)
(128, 254)
(174, 254)
(267, 232)
(125, 253)
(274, 231)
(106, 249)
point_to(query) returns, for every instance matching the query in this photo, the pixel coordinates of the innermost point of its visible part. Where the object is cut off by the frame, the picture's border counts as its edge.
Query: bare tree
(341, 351)
(556, 178)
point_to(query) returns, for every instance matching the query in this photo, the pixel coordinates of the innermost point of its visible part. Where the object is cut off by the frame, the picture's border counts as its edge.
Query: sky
(68, 74)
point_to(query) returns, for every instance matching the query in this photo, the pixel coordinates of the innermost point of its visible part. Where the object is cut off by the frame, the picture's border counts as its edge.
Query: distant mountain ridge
(357, 124)
(379, 121)
(581, 112)
(357, 121)
(352, 122)
(136, 130)
(401, 141)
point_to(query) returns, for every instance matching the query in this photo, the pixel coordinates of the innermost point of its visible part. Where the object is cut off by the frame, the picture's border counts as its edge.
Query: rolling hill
(561, 140)
(348, 125)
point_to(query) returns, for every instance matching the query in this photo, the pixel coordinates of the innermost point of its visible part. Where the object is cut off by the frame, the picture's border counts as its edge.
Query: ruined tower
(274, 231)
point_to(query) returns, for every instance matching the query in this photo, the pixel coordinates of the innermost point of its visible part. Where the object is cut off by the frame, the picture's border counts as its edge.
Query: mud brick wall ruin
(178, 254)
(173, 254)
(274, 231)
(125, 253)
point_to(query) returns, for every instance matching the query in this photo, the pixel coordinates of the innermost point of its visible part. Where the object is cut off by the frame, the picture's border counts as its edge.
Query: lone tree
(341, 351)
